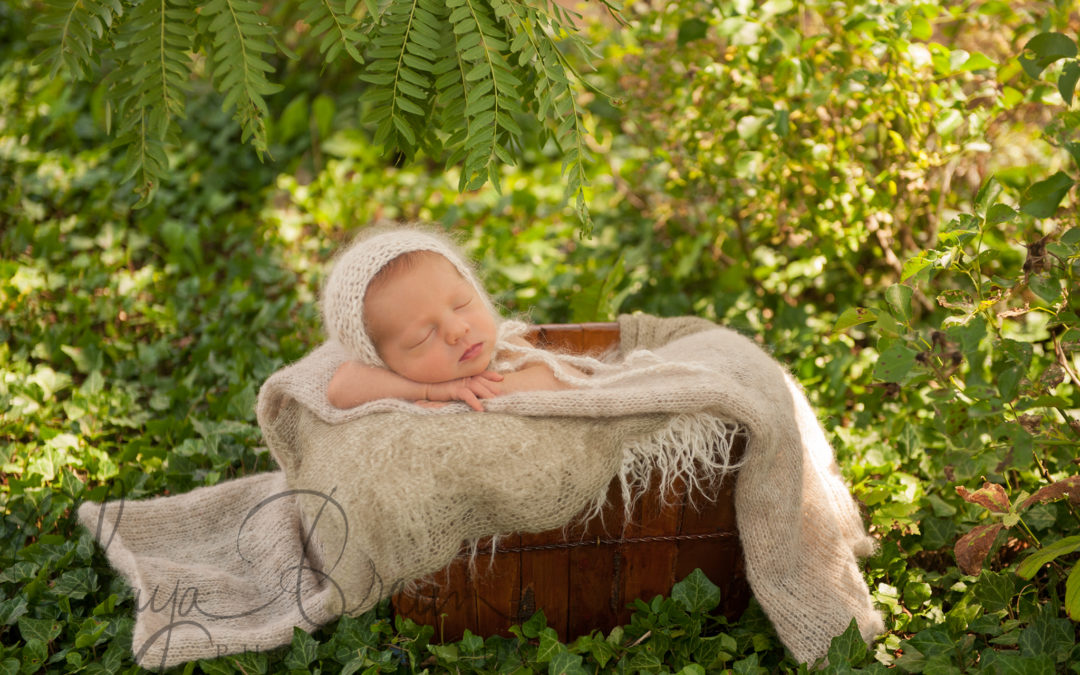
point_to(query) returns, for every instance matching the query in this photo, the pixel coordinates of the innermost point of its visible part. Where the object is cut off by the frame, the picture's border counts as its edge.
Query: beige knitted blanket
(369, 499)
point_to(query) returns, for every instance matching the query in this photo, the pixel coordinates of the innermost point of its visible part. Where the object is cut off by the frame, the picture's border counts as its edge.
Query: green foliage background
(884, 194)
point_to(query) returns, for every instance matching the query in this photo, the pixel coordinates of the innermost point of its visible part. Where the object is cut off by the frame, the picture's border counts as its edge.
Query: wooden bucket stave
(584, 576)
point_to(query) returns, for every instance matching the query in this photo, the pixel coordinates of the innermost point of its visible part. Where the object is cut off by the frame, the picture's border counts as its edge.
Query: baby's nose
(456, 331)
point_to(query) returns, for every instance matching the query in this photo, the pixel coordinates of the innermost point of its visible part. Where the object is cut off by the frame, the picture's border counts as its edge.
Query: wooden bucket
(584, 577)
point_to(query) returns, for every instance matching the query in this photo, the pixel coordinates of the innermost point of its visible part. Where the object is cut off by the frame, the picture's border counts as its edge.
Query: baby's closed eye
(423, 338)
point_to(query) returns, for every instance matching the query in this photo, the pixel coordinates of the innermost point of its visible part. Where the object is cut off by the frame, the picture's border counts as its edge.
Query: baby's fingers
(484, 388)
(474, 403)
(491, 375)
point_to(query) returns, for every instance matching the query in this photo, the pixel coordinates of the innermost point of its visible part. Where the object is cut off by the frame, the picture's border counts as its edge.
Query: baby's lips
(472, 351)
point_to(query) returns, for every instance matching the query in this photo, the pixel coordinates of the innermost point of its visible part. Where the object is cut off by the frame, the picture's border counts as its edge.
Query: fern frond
(239, 70)
(145, 158)
(402, 65)
(536, 48)
(153, 60)
(490, 90)
(71, 30)
(337, 30)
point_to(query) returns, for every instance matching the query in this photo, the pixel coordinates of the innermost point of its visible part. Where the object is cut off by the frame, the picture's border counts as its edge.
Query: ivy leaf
(994, 590)
(90, 632)
(303, 651)
(549, 646)
(33, 655)
(45, 630)
(565, 663)
(445, 653)
(932, 642)
(1013, 663)
(1041, 199)
(601, 651)
(937, 532)
(77, 583)
(696, 593)
(219, 666)
(1047, 635)
(1044, 49)
(11, 609)
(749, 666)
(848, 648)
(19, 572)
(536, 623)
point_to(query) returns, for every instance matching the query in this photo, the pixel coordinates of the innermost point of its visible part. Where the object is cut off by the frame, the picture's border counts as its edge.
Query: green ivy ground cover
(884, 194)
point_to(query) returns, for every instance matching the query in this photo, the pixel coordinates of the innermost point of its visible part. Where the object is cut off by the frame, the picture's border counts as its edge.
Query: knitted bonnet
(354, 268)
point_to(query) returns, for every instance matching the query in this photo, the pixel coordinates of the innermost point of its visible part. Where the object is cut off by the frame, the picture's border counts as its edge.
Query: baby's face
(429, 324)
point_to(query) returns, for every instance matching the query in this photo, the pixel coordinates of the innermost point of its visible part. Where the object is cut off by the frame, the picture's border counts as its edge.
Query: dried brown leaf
(972, 548)
(1015, 312)
(1052, 376)
(1070, 487)
(954, 299)
(990, 495)
(1031, 423)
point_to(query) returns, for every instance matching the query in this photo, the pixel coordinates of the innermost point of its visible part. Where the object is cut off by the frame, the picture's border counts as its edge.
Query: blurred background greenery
(883, 194)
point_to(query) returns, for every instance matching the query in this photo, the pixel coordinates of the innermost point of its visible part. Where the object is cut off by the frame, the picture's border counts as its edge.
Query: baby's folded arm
(355, 383)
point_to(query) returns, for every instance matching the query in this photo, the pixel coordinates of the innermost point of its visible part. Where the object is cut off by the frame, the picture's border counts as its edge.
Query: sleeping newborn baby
(419, 327)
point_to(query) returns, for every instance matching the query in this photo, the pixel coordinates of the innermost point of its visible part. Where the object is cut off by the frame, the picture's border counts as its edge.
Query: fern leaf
(71, 31)
(239, 40)
(334, 22)
(534, 37)
(490, 90)
(150, 85)
(403, 58)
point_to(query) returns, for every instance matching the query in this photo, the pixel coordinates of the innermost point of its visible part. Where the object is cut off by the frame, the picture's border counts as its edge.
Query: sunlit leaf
(1037, 559)
(1067, 81)
(899, 299)
(1042, 198)
(1043, 49)
(854, 316)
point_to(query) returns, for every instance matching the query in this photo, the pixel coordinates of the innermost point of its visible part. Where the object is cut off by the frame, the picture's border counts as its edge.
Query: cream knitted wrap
(369, 499)
(352, 271)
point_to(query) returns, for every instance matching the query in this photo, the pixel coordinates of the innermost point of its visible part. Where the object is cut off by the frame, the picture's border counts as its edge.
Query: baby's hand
(467, 389)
